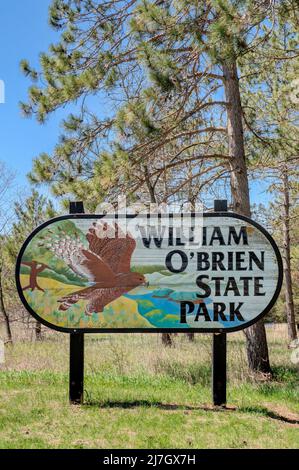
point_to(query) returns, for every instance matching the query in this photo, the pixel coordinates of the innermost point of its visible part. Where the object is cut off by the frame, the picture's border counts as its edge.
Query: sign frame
(150, 330)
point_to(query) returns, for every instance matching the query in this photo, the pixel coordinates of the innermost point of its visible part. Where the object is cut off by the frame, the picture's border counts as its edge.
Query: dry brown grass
(129, 354)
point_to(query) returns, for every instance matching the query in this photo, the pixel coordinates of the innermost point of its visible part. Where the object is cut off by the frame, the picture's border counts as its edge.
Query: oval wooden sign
(210, 273)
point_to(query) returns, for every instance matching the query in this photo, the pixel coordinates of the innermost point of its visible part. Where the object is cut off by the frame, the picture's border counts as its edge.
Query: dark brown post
(219, 347)
(76, 378)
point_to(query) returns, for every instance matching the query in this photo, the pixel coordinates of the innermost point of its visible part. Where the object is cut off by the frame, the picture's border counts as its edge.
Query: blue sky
(24, 34)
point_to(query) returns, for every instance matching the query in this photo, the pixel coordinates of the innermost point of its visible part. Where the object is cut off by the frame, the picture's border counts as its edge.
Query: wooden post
(219, 347)
(76, 377)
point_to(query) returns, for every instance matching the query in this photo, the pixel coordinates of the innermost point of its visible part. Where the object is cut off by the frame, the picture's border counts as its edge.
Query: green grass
(140, 395)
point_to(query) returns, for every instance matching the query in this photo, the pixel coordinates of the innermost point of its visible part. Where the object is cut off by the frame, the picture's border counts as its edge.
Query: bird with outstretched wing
(105, 263)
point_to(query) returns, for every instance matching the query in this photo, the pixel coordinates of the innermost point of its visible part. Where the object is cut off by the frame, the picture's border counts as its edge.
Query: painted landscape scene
(62, 289)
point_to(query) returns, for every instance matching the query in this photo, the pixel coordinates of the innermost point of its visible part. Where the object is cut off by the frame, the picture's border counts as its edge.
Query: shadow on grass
(264, 411)
(155, 404)
(268, 413)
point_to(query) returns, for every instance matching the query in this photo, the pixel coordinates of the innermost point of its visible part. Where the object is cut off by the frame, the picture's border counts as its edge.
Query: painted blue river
(161, 308)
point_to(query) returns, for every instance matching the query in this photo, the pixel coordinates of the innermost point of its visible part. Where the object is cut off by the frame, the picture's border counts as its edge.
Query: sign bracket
(219, 347)
(76, 374)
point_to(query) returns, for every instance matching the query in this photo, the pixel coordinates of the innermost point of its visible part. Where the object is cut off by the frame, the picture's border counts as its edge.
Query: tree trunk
(256, 341)
(289, 299)
(191, 201)
(190, 336)
(38, 331)
(3, 310)
(35, 269)
(166, 337)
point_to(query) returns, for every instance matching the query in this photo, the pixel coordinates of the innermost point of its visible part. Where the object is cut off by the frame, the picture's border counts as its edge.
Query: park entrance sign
(214, 272)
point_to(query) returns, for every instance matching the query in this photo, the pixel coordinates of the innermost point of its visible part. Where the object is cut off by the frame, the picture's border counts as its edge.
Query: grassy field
(140, 395)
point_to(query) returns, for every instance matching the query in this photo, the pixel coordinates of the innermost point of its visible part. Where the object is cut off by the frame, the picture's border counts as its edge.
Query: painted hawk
(106, 263)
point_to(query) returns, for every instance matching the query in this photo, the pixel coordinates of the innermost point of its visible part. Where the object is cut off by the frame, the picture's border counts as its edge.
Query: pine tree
(172, 69)
(271, 113)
